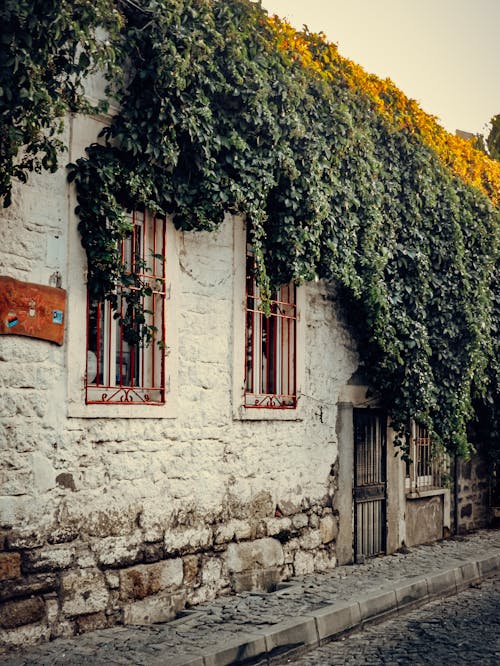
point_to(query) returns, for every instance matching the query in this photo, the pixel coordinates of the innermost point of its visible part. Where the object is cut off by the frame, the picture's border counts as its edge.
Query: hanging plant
(338, 174)
(47, 50)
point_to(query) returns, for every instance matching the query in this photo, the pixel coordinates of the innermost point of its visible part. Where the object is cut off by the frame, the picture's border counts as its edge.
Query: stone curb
(320, 626)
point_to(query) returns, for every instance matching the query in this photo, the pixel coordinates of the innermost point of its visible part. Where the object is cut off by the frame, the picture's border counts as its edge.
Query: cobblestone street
(464, 629)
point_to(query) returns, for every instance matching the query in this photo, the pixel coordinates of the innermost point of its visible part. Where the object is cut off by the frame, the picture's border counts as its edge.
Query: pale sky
(443, 53)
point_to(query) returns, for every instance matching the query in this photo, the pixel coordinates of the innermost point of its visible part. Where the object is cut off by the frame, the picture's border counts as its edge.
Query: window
(428, 467)
(118, 372)
(270, 346)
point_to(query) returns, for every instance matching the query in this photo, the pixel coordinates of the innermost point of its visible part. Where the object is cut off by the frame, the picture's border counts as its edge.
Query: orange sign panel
(32, 309)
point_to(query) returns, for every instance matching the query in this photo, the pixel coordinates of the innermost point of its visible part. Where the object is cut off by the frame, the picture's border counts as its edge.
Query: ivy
(338, 174)
(47, 49)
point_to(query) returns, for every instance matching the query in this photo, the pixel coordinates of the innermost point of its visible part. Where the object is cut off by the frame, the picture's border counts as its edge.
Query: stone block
(28, 634)
(31, 351)
(51, 608)
(261, 505)
(10, 566)
(107, 522)
(187, 541)
(47, 559)
(17, 483)
(101, 514)
(8, 405)
(63, 535)
(139, 582)
(224, 533)
(172, 573)
(264, 580)
(27, 403)
(289, 508)
(310, 540)
(276, 526)
(63, 629)
(43, 473)
(201, 594)
(148, 579)
(211, 571)
(233, 529)
(300, 520)
(303, 563)
(25, 539)
(118, 551)
(191, 566)
(243, 530)
(336, 618)
(328, 528)
(324, 560)
(153, 552)
(488, 564)
(289, 550)
(159, 608)
(91, 622)
(262, 553)
(85, 558)
(373, 605)
(466, 574)
(83, 592)
(112, 578)
(245, 647)
(408, 593)
(443, 582)
(22, 587)
(314, 521)
(24, 611)
(291, 635)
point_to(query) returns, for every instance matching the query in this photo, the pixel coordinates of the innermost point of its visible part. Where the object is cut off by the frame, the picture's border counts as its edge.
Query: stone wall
(474, 510)
(126, 520)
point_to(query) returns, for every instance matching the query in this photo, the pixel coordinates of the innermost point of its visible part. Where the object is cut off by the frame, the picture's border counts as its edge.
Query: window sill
(126, 411)
(428, 492)
(242, 413)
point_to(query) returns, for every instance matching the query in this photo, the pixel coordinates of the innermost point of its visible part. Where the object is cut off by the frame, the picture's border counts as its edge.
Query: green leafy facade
(216, 115)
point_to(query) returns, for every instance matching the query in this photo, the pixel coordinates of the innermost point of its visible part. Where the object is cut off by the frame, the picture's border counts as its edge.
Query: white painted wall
(84, 489)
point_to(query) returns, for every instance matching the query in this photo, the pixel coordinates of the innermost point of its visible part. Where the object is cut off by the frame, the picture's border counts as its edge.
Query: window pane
(270, 346)
(119, 372)
(428, 468)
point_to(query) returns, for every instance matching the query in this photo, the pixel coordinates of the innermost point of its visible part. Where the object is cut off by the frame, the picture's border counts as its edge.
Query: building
(239, 452)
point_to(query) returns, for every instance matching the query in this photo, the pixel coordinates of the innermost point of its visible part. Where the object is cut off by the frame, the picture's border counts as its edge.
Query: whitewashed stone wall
(126, 520)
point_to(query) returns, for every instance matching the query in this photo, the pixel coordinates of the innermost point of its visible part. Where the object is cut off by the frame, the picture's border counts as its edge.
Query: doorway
(370, 483)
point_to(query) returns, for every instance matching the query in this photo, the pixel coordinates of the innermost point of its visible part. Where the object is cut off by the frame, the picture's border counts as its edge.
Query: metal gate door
(369, 483)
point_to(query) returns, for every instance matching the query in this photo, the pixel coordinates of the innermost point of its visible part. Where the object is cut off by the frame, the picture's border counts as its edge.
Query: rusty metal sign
(33, 310)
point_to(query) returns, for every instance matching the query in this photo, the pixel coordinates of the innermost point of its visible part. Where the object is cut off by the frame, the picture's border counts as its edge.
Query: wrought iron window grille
(118, 372)
(428, 468)
(270, 346)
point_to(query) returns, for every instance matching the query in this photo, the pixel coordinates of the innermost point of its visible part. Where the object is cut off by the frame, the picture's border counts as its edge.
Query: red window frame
(270, 346)
(117, 372)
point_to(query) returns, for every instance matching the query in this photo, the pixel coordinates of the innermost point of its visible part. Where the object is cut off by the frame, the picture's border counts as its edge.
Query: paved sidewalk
(252, 628)
(462, 630)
